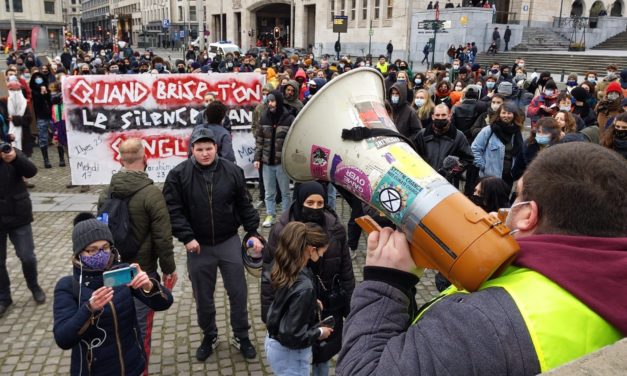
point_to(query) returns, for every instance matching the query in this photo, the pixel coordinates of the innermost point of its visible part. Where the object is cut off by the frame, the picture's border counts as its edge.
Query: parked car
(256, 51)
(222, 49)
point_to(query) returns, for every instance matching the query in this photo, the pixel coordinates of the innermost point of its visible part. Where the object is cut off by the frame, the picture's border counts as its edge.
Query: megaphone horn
(446, 231)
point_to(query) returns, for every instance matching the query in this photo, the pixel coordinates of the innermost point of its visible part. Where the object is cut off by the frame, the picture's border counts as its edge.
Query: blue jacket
(76, 327)
(489, 152)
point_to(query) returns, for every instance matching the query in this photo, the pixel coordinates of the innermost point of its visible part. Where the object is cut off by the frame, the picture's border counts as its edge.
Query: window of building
(73, 2)
(180, 13)
(192, 13)
(390, 9)
(342, 7)
(353, 9)
(377, 6)
(364, 9)
(332, 9)
(48, 7)
(17, 6)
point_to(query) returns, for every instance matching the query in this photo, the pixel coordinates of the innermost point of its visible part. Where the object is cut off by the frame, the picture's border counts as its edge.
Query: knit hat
(572, 76)
(580, 94)
(87, 230)
(614, 87)
(550, 84)
(505, 88)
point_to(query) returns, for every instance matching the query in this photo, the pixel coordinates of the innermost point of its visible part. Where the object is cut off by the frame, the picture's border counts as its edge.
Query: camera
(5, 147)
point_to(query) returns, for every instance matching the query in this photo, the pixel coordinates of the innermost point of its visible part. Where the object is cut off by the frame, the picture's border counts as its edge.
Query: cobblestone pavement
(27, 346)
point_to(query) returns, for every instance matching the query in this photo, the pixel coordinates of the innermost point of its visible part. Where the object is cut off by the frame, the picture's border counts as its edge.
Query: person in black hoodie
(581, 106)
(334, 269)
(294, 321)
(42, 105)
(404, 117)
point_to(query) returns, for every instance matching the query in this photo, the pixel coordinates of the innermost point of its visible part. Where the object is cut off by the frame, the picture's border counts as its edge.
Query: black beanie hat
(550, 84)
(87, 230)
(580, 94)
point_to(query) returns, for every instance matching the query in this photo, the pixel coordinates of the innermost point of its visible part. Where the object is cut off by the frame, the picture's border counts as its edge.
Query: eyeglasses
(93, 251)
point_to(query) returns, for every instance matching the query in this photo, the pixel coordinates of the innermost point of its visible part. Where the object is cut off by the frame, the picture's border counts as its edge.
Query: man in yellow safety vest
(563, 297)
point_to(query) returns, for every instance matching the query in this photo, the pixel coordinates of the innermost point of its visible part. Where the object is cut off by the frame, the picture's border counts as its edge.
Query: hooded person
(610, 105)
(291, 93)
(96, 321)
(403, 116)
(334, 271)
(42, 106)
(537, 84)
(274, 124)
(301, 78)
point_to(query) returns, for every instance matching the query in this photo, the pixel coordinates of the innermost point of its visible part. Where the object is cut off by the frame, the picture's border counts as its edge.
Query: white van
(218, 48)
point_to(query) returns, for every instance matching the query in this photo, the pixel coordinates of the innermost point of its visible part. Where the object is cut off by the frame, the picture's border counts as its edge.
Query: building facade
(72, 16)
(39, 23)
(126, 20)
(97, 19)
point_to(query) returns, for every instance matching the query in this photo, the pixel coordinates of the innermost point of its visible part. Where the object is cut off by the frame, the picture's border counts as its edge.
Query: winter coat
(489, 152)
(335, 262)
(270, 137)
(293, 315)
(150, 220)
(466, 113)
(404, 117)
(209, 210)
(536, 113)
(16, 208)
(433, 148)
(295, 105)
(41, 102)
(122, 349)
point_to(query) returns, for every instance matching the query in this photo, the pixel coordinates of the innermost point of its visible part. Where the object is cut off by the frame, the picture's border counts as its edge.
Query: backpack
(114, 212)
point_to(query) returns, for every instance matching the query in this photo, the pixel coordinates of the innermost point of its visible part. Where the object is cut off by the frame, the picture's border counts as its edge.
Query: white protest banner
(162, 110)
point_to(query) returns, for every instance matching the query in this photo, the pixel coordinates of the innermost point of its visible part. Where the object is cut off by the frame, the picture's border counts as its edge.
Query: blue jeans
(321, 369)
(22, 239)
(43, 125)
(331, 196)
(270, 175)
(287, 362)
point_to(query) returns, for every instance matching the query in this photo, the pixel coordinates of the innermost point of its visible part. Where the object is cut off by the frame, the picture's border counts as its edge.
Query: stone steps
(617, 42)
(555, 63)
(541, 39)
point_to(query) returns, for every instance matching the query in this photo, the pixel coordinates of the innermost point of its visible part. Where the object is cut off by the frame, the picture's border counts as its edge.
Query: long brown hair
(607, 139)
(291, 256)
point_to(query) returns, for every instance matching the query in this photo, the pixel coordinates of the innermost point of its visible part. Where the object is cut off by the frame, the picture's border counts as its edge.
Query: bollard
(562, 76)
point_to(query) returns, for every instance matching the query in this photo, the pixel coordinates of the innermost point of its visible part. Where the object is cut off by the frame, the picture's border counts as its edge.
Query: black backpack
(114, 212)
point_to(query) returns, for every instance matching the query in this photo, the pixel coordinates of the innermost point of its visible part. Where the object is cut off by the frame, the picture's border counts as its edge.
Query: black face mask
(620, 135)
(313, 215)
(478, 200)
(440, 123)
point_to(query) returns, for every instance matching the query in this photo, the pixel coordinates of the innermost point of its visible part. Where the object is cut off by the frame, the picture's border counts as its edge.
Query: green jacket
(150, 220)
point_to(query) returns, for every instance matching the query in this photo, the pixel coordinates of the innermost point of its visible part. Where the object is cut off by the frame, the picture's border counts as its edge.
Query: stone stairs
(617, 42)
(555, 63)
(541, 39)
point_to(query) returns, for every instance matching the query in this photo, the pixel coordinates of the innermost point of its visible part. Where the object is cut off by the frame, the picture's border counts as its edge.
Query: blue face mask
(39, 80)
(99, 261)
(417, 81)
(543, 139)
(265, 99)
(489, 84)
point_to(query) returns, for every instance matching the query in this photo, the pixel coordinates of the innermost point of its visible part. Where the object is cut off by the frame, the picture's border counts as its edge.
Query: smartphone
(328, 321)
(119, 277)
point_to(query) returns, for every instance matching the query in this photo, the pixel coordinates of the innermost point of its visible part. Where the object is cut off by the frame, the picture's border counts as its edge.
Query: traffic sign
(340, 24)
(166, 23)
(182, 33)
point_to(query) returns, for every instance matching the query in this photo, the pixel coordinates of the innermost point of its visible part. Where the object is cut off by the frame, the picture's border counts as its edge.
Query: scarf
(16, 103)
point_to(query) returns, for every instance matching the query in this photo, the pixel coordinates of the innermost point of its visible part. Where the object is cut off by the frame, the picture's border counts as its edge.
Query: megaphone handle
(369, 225)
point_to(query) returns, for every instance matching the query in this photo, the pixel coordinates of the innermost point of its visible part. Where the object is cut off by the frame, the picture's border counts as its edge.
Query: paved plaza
(27, 345)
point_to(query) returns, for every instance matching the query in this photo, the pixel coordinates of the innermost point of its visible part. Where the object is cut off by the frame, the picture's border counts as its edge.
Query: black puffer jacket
(271, 133)
(41, 102)
(336, 263)
(466, 113)
(293, 315)
(404, 117)
(16, 209)
(211, 210)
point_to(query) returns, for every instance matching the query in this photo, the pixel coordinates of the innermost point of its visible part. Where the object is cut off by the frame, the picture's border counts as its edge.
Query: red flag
(10, 38)
(437, 13)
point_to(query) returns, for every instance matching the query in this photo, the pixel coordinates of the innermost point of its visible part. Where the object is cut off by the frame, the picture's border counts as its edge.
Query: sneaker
(39, 295)
(245, 347)
(4, 306)
(209, 343)
(259, 204)
(268, 222)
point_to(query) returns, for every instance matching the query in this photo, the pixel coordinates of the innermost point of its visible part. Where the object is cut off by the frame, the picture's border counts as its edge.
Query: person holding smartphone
(98, 322)
(293, 321)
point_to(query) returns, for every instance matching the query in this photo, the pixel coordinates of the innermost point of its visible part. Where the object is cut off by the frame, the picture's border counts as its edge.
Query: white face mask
(455, 67)
(395, 98)
(458, 88)
(508, 219)
(419, 102)
(495, 106)
(548, 92)
(522, 65)
(565, 108)
(613, 96)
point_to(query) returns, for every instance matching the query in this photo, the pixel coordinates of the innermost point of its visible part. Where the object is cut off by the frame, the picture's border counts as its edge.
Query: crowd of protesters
(466, 120)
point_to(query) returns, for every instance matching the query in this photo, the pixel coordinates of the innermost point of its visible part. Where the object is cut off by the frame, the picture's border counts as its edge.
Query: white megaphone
(446, 231)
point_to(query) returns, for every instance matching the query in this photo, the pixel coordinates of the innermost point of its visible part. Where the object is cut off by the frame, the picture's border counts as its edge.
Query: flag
(437, 13)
